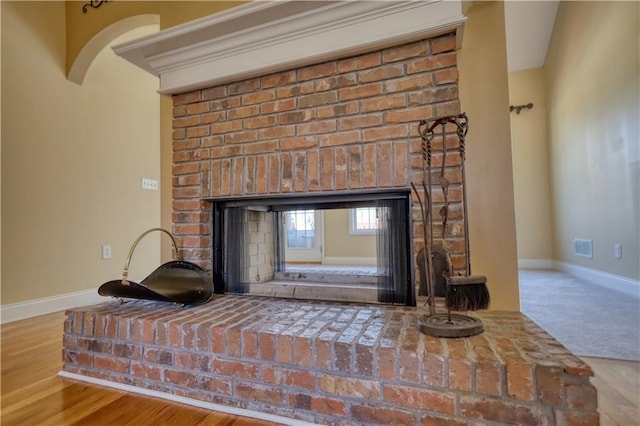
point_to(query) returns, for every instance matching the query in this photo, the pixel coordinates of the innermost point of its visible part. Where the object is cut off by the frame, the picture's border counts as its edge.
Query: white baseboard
(619, 283)
(189, 401)
(33, 308)
(535, 264)
(350, 261)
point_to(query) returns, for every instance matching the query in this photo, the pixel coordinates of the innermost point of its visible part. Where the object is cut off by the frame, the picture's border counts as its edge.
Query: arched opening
(89, 51)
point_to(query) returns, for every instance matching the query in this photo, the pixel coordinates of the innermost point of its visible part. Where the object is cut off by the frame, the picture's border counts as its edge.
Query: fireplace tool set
(461, 292)
(177, 281)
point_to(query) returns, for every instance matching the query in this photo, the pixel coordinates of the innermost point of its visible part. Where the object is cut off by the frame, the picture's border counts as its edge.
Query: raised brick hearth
(333, 363)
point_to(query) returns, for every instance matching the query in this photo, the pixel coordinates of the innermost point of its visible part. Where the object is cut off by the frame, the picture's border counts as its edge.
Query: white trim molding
(188, 401)
(260, 38)
(46, 305)
(619, 283)
(535, 264)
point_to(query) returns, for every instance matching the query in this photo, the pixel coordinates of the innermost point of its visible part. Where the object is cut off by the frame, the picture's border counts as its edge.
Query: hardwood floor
(618, 384)
(33, 394)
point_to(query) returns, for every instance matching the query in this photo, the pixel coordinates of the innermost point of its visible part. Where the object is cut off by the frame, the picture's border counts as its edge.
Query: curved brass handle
(125, 273)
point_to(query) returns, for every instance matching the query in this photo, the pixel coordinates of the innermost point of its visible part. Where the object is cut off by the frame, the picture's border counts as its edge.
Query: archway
(87, 54)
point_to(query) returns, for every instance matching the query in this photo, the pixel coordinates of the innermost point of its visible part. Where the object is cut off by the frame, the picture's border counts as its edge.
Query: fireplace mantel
(259, 38)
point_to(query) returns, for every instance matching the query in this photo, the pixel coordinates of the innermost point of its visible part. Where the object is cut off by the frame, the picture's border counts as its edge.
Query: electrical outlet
(149, 184)
(617, 250)
(106, 252)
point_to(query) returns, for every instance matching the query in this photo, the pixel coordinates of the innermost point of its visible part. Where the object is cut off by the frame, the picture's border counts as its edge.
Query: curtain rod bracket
(93, 4)
(518, 108)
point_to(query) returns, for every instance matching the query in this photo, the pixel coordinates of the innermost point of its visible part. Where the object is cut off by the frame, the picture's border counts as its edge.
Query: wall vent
(583, 248)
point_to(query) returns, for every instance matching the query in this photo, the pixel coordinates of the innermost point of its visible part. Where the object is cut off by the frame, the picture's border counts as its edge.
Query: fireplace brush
(465, 293)
(177, 281)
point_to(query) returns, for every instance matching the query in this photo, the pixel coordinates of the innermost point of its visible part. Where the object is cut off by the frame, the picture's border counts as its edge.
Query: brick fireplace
(342, 120)
(307, 98)
(341, 126)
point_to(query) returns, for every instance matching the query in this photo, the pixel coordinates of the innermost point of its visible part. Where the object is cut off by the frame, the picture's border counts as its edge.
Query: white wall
(340, 243)
(72, 160)
(484, 96)
(529, 147)
(593, 92)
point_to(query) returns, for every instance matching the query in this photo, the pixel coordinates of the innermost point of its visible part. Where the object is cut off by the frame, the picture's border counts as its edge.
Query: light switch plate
(149, 184)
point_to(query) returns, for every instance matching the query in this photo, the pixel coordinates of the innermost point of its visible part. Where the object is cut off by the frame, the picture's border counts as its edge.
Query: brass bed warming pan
(177, 281)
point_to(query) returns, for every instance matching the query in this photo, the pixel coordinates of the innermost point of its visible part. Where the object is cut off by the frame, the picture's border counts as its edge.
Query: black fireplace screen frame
(394, 237)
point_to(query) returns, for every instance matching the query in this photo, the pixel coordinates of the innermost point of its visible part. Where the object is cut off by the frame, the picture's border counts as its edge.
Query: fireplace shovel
(177, 281)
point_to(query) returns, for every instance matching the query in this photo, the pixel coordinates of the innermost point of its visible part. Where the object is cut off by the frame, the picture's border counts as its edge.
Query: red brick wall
(348, 124)
(334, 363)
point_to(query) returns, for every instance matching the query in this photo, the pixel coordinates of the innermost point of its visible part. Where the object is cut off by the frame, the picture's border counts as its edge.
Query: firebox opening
(277, 247)
(338, 242)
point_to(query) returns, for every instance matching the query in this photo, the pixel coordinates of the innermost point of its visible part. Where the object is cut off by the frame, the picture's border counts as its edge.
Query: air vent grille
(583, 248)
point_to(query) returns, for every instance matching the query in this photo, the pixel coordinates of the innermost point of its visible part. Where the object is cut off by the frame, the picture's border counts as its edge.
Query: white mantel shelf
(263, 37)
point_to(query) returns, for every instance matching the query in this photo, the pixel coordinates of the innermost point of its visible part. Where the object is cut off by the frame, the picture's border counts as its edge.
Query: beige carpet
(588, 319)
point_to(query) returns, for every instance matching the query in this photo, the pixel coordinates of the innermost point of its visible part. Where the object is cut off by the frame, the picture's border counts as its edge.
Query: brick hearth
(333, 363)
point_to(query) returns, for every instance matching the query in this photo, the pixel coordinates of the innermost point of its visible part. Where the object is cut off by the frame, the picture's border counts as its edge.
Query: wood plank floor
(618, 384)
(33, 394)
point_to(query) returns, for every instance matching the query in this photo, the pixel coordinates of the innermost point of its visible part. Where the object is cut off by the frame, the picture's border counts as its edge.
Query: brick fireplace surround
(347, 124)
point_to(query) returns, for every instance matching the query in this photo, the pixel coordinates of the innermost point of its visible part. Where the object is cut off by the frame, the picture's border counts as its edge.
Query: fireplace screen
(276, 246)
